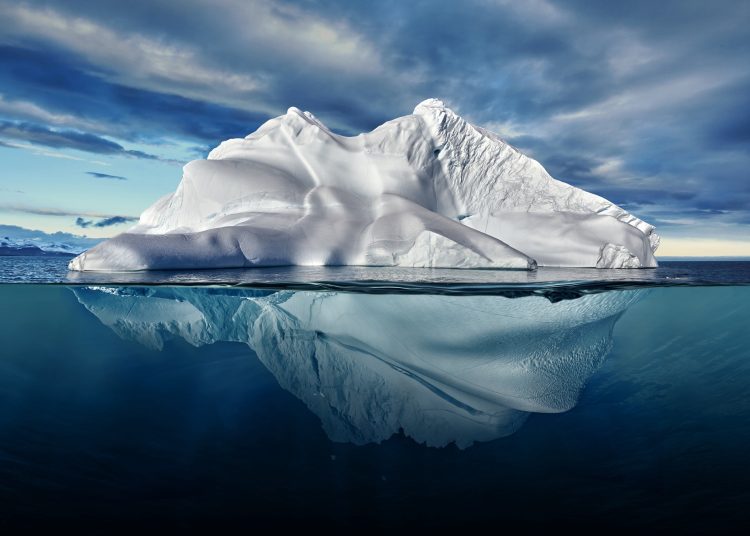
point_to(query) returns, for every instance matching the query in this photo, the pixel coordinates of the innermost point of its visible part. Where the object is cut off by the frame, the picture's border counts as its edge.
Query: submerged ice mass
(440, 369)
(424, 190)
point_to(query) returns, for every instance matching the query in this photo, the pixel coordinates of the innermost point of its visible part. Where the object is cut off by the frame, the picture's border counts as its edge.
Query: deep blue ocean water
(366, 399)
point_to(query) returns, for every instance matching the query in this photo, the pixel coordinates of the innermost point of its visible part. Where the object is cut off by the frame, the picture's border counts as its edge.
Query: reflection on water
(439, 368)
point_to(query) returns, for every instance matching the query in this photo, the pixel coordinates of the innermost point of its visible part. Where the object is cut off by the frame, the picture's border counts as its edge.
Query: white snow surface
(424, 190)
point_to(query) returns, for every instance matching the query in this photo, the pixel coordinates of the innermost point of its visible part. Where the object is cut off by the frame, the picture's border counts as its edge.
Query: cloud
(114, 220)
(106, 222)
(99, 175)
(69, 93)
(232, 56)
(27, 110)
(66, 139)
(48, 211)
(40, 151)
(150, 62)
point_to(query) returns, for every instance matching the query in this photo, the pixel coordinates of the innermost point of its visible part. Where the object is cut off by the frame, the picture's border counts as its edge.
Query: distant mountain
(31, 251)
(18, 241)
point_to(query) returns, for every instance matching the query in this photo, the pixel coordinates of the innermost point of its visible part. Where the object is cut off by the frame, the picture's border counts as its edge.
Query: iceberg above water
(440, 369)
(424, 190)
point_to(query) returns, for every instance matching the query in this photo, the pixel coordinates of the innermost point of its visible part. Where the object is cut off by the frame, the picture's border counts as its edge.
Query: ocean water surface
(375, 398)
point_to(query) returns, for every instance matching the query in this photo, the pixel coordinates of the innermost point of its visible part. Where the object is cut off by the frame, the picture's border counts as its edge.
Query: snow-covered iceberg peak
(424, 190)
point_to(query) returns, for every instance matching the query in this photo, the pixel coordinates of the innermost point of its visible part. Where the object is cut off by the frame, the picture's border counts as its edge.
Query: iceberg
(425, 190)
(439, 369)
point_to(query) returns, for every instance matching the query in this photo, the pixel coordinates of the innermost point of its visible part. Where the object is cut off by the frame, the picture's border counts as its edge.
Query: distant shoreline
(31, 251)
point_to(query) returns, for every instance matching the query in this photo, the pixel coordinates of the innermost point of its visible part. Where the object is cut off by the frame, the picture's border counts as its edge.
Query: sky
(645, 103)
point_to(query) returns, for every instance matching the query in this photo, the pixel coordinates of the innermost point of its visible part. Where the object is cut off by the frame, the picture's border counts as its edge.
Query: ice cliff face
(424, 190)
(441, 369)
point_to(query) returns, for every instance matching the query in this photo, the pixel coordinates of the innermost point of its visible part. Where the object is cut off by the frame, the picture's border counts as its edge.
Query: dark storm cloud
(645, 103)
(106, 222)
(99, 175)
(114, 220)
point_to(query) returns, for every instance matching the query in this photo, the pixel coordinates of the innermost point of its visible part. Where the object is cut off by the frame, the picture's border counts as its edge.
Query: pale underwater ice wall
(442, 369)
(424, 190)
